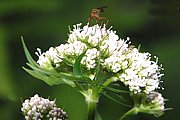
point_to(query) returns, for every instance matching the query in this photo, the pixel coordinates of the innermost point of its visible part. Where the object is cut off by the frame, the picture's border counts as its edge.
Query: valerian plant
(93, 61)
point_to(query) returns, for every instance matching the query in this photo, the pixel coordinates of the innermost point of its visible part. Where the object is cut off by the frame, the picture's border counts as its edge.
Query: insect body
(95, 14)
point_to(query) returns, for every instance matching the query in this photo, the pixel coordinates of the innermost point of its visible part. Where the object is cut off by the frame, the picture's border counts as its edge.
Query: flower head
(153, 104)
(156, 100)
(103, 46)
(38, 108)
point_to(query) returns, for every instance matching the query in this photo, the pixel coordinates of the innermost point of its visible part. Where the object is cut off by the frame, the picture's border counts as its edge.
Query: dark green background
(155, 24)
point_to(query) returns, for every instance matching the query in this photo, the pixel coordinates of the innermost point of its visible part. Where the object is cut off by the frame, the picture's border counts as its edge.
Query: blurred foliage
(152, 23)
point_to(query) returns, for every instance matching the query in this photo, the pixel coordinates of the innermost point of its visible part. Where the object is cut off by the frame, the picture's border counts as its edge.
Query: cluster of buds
(153, 103)
(156, 100)
(38, 108)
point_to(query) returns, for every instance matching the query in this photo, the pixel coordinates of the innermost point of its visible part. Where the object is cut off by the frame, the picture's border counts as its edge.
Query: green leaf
(121, 97)
(102, 76)
(60, 75)
(77, 72)
(28, 56)
(50, 80)
(113, 99)
(77, 66)
(67, 62)
(36, 75)
(115, 90)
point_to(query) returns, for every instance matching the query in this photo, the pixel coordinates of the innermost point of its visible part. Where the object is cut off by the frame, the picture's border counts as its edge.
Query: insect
(95, 14)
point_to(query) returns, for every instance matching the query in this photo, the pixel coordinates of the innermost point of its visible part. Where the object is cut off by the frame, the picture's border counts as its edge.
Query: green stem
(130, 112)
(106, 83)
(91, 96)
(92, 110)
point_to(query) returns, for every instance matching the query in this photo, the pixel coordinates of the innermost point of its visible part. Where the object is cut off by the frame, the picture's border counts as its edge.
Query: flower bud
(38, 108)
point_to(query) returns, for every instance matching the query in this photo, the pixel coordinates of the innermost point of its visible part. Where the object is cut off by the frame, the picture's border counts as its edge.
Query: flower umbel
(92, 61)
(38, 108)
(155, 102)
(133, 68)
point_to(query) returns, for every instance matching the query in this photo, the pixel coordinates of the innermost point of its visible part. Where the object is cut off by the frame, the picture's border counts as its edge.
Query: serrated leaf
(28, 56)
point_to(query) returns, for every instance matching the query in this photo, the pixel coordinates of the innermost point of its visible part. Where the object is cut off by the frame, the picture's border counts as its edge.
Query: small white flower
(47, 59)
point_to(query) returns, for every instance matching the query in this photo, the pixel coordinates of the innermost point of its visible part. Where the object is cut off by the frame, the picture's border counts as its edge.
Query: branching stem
(130, 112)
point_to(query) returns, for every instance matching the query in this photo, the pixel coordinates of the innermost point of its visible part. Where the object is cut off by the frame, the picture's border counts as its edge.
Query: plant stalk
(92, 97)
(92, 110)
(128, 113)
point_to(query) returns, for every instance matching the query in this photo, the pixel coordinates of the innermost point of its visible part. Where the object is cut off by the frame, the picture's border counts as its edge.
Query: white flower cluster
(90, 58)
(133, 68)
(157, 100)
(38, 108)
(141, 73)
(49, 58)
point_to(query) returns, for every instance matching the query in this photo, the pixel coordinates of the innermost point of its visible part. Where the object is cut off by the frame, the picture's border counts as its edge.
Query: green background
(155, 24)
